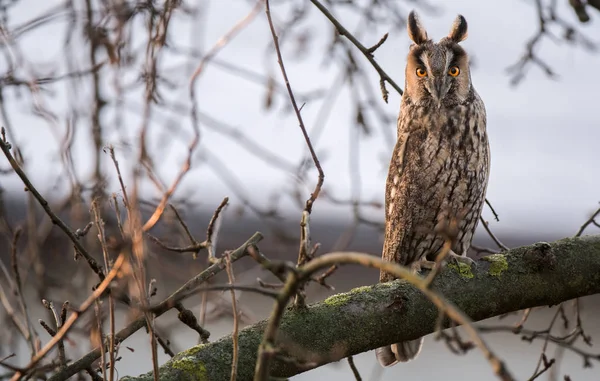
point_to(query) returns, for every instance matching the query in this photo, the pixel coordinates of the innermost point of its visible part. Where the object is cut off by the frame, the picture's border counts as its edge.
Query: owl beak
(438, 92)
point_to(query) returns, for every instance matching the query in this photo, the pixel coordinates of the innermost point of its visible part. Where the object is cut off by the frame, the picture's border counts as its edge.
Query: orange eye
(421, 72)
(454, 71)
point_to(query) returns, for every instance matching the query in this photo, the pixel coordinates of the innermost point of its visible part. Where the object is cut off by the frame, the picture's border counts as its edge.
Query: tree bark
(372, 316)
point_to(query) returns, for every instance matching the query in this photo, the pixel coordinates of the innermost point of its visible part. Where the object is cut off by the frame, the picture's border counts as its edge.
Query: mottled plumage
(440, 165)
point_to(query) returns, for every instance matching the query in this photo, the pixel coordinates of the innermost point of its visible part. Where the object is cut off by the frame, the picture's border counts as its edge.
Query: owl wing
(394, 201)
(410, 199)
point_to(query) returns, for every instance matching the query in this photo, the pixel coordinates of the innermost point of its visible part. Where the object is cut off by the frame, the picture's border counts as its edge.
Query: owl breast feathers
(439, 168)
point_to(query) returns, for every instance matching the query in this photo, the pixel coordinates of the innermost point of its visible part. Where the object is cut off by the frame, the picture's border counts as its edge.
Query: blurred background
(78, 77)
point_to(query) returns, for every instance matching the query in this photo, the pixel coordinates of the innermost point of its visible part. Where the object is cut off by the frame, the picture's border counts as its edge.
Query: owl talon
(425, 264)
(421, 264)
(457, 259)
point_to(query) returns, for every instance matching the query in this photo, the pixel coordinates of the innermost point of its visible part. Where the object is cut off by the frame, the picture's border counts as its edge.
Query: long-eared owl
(439, 168)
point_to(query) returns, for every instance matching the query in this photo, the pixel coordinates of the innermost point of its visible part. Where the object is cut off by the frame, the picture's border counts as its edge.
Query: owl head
(437, 73)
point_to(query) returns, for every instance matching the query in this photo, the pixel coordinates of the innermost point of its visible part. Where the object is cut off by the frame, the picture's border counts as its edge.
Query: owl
(438, 172)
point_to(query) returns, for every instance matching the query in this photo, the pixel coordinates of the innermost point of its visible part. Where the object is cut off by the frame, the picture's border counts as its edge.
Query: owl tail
(399, 352)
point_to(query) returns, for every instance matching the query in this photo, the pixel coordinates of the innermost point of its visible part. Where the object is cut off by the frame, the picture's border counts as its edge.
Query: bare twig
(315, 194)
(489, 204)
(111, 303)
(62, 358)
(111, 151)
(195, 247)
(547, 364)
(353, 366)
(12, 314)
(31, 336)
(73, 317)
(547, 16)
(277, 269)
(236, 325)
(368, 52)
(97, 337)
(5, 146)
(213, 230)
(496, 240)
(262, 290)
(160, 309)
(589, 221)
(479, 250)
(303, 255)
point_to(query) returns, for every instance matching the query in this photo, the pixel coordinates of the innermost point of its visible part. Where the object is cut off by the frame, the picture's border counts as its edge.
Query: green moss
(360, 289)
(463, 269)
(296, 328)
(337, 299)
(386, 285)
(193, 350)
(192, 367)
(340, 299)
(498, 264)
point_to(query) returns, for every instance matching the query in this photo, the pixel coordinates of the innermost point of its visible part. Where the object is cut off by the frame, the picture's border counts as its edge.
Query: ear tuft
(416, 32)
(459, 31)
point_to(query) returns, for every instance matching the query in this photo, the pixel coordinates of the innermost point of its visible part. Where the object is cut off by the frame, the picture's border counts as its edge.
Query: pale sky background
(544, 134)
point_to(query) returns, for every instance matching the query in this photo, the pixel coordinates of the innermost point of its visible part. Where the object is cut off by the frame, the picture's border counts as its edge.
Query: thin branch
(60, 334)
(589, 221)
(185, 249)
(163, 307)
(489, 204)
(305, 242)
(315, 194)
(489, 231)
(111, 303)
(31, 336)
(213, 230)
(5, 146)
(12, 314)
(367, 52)
(62, 358)
(357, 376)
(236, 325)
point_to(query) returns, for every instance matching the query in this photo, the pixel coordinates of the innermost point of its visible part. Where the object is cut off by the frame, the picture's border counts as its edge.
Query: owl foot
(438, 265)
(452, 256)
(421, 264)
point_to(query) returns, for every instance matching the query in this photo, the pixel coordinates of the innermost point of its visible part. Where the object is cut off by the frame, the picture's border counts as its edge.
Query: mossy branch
(372, 316)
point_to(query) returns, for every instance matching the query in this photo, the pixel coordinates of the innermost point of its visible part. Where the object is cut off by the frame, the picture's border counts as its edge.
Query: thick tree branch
(372, 316)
